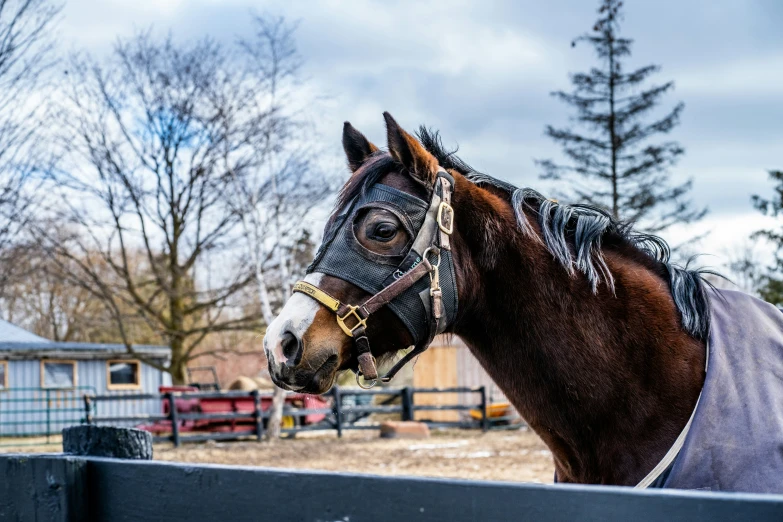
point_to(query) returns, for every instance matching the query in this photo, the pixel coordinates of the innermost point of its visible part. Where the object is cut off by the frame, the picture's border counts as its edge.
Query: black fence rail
(185, 416)
(62, 488)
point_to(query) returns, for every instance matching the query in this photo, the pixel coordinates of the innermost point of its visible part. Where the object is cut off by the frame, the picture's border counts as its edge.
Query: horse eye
(383, 231)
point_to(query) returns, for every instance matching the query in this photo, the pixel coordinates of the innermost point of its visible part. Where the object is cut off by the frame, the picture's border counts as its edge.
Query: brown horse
(594, 337)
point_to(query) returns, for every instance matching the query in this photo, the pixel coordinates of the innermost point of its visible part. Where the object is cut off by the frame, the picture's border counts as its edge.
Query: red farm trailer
(190, 410)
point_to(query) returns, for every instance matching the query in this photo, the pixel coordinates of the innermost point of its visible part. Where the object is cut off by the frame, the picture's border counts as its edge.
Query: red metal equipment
(230, 404)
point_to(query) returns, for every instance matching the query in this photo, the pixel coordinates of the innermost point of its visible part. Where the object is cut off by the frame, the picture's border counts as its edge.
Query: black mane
(577, 234)
(372, 170)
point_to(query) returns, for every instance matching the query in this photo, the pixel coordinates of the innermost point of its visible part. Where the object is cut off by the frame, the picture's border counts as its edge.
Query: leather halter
(352, 319)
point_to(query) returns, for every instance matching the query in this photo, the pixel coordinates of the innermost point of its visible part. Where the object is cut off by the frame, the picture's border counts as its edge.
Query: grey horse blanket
(736, 438)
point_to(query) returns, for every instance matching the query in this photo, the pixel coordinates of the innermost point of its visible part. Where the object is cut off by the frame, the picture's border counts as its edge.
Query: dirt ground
(518, 455)
(499, 455)
(42, 444)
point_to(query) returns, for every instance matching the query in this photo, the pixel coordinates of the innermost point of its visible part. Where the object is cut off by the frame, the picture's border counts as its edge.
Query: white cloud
(751, 76)
(482, 73)
(725, 234)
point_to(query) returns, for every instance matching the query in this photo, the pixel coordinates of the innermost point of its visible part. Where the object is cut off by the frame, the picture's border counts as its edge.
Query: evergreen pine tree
(770, 286)
(613, 161)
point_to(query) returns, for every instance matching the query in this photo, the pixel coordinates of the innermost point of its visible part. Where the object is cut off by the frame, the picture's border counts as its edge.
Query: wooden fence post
(338, 409)
(173, 418)
(56, 487)
(43, 487)
(48, 415)
(258, 415)
(107, 441)
(407, 403)
(484, 419)
(87, 409)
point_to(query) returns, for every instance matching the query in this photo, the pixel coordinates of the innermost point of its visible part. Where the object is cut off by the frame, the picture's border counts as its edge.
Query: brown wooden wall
(448, 363)
(436, 368)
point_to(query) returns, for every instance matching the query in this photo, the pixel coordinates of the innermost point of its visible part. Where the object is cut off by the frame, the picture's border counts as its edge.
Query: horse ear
(407, 150)
(357, 147)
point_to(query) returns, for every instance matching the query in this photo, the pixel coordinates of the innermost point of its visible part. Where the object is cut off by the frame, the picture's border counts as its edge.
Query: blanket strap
(667, 459)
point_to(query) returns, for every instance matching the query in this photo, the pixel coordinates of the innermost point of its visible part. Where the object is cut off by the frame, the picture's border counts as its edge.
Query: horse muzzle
(294, 373)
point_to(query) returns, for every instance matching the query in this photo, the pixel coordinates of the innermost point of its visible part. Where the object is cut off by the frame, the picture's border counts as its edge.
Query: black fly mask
(426, 306)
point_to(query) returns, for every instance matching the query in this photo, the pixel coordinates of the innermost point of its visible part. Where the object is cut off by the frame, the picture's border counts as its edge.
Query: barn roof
(16, 341)
(11, 333)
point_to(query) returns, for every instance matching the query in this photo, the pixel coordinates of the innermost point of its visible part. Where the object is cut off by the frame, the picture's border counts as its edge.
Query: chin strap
(434, 236)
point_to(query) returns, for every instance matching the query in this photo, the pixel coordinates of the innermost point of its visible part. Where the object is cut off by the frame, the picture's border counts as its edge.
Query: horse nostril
(292, 348)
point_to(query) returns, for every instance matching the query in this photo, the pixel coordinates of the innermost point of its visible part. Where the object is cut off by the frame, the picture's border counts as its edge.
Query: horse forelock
(376, 166)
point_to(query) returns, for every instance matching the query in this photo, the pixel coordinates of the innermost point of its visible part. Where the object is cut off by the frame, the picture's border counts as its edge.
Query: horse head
(368, 284)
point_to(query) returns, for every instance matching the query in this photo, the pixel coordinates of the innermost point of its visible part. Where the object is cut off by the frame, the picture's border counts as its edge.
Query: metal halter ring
(365, 386)
(432, 249)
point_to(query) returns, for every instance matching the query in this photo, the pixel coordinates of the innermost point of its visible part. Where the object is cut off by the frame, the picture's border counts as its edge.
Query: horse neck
(607, 381)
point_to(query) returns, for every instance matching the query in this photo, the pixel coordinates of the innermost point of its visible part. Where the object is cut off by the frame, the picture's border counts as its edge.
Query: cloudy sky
(481, 72)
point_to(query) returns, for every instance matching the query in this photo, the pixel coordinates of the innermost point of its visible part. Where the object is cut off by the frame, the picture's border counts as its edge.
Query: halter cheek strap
(433, 237)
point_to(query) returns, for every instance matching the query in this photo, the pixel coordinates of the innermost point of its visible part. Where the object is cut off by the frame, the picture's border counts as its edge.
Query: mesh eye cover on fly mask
(341, 256)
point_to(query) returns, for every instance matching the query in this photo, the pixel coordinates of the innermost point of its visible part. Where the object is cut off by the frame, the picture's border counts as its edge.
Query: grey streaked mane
(575, 235)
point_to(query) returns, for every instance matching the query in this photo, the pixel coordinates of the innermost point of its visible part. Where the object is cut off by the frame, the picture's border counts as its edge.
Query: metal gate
(39, 412)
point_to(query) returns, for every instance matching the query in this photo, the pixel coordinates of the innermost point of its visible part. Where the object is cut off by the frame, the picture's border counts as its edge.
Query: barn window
(3, 375)
(58, 374)
(123, 375)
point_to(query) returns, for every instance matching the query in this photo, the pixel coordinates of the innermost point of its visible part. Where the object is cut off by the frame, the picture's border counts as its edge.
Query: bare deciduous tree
(745, 268)
(282, 185)
(152, 138)
(46, 302)
(24, 56)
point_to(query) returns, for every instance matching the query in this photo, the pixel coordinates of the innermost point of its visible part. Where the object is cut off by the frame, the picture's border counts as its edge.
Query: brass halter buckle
(359, 321)
(446, 211)
(332, 304)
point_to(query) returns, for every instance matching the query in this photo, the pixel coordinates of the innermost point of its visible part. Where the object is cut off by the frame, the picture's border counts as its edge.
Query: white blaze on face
(296, 317)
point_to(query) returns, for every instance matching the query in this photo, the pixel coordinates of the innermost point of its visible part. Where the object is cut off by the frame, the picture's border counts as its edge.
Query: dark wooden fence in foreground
(350, 409)
(62, 488)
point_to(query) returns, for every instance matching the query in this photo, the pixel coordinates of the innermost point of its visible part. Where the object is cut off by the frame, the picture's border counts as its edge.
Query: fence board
(43, 488)
(58, 488)
(222, 493)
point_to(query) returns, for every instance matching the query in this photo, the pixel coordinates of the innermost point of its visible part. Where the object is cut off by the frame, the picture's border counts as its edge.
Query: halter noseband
(436, 230)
